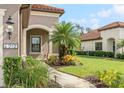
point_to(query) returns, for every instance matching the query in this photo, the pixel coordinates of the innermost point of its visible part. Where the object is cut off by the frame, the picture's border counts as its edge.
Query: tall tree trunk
(62, 51)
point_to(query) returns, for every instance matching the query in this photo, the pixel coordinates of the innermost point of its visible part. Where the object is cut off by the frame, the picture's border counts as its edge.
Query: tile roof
(46, 8)
(112, 25)
(93, 35)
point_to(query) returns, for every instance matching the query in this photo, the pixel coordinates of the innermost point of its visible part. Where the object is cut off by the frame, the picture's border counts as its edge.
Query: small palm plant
(65, 37)
(121, 44)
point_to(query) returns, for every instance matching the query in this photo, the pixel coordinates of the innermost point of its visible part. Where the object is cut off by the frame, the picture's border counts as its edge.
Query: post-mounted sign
(10, 45)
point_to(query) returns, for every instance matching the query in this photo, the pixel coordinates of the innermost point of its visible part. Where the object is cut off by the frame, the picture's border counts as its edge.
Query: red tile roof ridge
(46, 8)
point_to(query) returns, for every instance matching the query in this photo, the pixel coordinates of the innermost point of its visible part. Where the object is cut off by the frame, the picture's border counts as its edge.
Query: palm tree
(65, 37)
(121, 44)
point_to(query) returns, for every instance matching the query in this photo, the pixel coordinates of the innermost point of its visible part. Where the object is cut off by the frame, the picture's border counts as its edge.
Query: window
(113, 46)
(35, 44)
(98, 46)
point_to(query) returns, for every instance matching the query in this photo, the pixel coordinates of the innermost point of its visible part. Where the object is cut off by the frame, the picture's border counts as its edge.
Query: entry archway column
(24, 54)
(50, 43)
(2, 13)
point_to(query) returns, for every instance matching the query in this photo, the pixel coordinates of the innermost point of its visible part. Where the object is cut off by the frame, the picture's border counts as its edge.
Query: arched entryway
(36, 41)
(111, 44)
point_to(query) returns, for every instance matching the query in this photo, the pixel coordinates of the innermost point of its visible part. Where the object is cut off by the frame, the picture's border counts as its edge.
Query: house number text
(11, 45)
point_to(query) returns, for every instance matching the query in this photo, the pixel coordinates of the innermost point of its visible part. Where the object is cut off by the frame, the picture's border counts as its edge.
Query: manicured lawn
(93, 64)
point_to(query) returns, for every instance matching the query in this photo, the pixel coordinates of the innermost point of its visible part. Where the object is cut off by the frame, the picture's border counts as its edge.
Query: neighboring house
(32, 29)
(104, 38)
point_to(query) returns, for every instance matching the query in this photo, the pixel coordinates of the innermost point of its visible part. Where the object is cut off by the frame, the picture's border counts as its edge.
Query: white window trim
(31, 44)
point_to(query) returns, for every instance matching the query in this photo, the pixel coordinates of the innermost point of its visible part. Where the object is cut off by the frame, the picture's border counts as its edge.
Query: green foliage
(92, 64)
(71, 52)
(111, 78)
(34, 76)
(31, 73)
(97, 53)
(11, 67)
(120, 44)
(52, 60)
(120, 56)
(65, 37)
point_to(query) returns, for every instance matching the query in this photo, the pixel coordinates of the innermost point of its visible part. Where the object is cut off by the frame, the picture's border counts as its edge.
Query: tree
(88, 29)
(79, 27)
(65, 37)
(121, 44)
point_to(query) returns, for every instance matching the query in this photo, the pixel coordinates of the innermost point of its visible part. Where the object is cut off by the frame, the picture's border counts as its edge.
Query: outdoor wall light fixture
(10, 27)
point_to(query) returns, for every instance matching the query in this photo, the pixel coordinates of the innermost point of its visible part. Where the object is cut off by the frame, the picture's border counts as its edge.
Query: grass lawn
(93, 64)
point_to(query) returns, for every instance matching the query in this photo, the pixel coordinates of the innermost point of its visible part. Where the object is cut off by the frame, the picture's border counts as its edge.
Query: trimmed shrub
(11, 67)
(97, 53)
(120, 56)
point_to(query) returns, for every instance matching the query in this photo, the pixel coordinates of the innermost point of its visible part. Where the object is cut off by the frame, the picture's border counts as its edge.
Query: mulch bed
(95, 81)
(53, 84)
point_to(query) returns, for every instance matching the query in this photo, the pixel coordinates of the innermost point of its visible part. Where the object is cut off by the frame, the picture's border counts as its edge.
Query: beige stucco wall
(14, 37)
(121, 32)
(89, 45)
(107, 34)
(115, 33)
(43, 20)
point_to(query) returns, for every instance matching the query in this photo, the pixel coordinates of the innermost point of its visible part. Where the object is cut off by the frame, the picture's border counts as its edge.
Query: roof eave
(92, 39)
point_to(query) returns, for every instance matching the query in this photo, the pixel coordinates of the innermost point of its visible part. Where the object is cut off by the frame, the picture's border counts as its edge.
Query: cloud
(94, 23)
(95, 26)
(78, 21)
(94, 20)
(119, 9)
(104, 13)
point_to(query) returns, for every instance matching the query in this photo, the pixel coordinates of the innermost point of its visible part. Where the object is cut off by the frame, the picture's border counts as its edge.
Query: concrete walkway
(68, 81)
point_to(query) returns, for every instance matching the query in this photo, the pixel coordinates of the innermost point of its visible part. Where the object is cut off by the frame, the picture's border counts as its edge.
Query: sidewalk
(69, 81)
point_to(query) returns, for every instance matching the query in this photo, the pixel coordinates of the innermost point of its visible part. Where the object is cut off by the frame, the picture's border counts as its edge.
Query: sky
(92, 15)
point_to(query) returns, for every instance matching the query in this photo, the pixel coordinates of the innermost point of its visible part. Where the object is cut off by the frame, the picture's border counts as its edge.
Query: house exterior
(33, 27)
(104, 38)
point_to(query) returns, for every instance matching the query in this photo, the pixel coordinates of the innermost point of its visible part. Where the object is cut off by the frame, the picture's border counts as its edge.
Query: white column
(104, 44)
(2, 13)
(50, 44)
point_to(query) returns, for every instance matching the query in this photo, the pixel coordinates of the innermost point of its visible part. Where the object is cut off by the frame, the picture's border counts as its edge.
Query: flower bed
(65, 61)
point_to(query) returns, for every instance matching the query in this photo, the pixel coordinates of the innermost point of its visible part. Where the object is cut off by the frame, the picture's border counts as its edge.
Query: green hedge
(96, 53)
(120, 56)
(11, 67)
